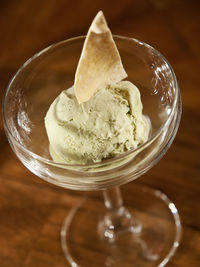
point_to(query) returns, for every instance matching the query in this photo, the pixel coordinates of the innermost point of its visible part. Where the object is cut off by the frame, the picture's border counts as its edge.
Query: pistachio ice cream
(111, 122)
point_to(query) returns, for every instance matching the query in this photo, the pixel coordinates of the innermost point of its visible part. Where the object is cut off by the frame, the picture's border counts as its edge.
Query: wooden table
(31, 210)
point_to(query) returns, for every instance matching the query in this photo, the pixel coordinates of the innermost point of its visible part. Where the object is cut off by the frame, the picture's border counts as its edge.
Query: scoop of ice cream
(109, 123)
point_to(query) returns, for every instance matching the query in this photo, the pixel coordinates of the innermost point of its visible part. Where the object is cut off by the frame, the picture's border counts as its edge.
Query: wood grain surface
(31, 210)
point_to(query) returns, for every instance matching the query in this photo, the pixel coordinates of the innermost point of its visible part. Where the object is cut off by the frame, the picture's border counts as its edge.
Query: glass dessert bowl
(117, 235)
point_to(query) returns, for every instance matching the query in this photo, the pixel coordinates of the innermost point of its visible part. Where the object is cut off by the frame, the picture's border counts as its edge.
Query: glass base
(152, 240)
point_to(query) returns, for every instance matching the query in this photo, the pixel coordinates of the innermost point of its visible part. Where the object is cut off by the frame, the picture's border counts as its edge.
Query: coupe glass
(147, 231)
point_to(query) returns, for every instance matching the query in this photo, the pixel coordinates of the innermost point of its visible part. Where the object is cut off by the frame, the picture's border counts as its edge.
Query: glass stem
(117, 219)
(113, 198)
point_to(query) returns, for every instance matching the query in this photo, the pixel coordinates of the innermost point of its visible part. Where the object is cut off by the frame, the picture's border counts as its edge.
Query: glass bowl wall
(41, 79)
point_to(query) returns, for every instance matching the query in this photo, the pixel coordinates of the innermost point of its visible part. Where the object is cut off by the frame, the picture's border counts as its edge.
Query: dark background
(32, 211)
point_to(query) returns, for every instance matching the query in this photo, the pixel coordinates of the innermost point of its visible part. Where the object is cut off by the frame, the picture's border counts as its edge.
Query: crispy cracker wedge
(100, 63)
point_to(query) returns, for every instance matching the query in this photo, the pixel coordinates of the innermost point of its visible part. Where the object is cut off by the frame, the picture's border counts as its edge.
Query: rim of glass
(105, 161)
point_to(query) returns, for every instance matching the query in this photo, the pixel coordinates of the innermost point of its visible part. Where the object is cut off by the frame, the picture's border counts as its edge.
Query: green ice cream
(109, 123)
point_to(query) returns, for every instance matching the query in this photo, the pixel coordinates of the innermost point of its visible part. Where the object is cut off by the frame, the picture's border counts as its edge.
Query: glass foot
(151, 241)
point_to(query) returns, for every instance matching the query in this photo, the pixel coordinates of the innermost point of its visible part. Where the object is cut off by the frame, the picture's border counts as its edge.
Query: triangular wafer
(100, 63)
